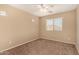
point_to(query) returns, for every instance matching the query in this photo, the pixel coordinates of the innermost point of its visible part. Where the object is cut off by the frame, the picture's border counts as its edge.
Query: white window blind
(54, 24)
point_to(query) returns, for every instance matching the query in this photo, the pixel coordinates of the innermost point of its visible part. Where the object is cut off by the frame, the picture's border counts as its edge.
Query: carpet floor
(43, 47)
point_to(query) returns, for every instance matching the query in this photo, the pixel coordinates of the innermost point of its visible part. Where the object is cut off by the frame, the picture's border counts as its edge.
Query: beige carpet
(43, 47)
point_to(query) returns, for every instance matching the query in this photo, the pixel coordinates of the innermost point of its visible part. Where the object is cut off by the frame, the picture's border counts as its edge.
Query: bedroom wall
(68, 33)
(17, 27)
(77, 27)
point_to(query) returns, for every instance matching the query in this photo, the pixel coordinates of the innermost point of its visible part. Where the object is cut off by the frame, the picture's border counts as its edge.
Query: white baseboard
(17, 45)
(59, 41)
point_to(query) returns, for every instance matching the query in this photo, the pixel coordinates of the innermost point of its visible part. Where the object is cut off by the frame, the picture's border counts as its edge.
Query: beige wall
(77, 41)
(17, 27)
(68, 33)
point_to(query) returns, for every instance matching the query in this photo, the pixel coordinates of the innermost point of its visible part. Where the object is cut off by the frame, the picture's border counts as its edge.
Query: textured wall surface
(17, 27)
(68, 33)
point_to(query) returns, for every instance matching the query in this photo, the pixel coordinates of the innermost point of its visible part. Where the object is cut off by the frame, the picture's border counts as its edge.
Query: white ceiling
(33, 8)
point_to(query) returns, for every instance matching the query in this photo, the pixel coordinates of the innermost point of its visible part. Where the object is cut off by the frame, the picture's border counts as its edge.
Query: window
(2, 13)
(54, 24)
(49, 24)
(58, 24)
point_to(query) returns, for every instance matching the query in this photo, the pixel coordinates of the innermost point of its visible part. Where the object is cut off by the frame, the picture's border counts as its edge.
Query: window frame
(54, 25)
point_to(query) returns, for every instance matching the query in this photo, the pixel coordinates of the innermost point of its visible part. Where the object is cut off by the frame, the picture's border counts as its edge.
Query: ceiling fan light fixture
(43, 10)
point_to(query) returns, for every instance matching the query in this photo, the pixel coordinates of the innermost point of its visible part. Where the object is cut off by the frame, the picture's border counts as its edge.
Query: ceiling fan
(45, 7)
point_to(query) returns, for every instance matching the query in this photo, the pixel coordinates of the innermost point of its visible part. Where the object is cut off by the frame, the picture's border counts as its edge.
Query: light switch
(33, 20)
